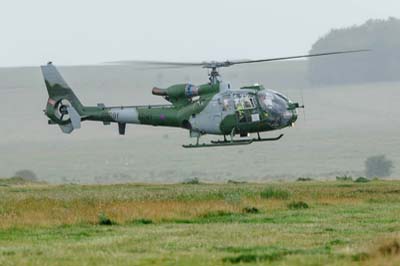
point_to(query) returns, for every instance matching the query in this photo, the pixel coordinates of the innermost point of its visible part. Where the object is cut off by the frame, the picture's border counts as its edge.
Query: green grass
(205, 224)
(296, 205)
(274, 193)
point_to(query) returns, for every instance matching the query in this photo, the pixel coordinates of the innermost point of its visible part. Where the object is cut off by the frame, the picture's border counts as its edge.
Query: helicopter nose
(294, 116)
(292, 112)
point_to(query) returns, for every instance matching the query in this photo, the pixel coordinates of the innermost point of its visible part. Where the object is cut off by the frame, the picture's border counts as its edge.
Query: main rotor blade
(230, 63)
(218, 64)
(159, 63)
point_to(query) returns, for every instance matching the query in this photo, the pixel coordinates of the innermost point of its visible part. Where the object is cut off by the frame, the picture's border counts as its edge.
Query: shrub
(273, 193)
(26, 174)
(230, 181)
(362, 180)
(304, 179)
(142, 221)
(296, 205)
(251, 210)
(191, 181)
(378, 166)
(104, 220)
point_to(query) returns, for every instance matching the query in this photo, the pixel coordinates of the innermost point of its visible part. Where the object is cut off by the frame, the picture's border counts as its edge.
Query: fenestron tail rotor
(62, 110)
(65, 113)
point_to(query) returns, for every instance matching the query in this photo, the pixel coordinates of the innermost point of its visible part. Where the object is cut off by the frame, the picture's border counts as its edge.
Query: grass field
(296, 223)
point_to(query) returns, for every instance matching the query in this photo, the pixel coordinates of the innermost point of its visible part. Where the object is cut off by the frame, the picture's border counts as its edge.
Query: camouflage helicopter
(212, 108)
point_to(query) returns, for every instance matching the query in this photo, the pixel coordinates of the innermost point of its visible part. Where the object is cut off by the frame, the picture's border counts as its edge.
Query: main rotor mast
(214, 76)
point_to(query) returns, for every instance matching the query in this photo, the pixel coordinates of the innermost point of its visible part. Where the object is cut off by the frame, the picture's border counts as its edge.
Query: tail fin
(63, 107)
(57, 88)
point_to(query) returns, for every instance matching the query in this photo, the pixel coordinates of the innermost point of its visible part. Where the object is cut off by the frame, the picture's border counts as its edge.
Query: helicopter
(215, 108)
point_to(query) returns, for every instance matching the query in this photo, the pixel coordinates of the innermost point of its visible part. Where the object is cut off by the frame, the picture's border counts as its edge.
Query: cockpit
(276, 107)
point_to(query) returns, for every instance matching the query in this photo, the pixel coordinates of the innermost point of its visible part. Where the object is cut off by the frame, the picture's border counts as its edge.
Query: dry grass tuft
(391, 248)
(382, 252)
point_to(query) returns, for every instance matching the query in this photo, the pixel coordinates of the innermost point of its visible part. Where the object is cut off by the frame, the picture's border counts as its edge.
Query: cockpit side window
(244, 101)
(226, 102)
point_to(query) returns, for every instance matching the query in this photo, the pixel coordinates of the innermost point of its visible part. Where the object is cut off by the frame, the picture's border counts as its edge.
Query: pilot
(225, 105)
(247, 103)
(240, 110)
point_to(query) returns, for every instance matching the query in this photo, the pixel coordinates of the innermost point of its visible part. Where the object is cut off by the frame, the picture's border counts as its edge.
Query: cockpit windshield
(276, 108)
(272, 102)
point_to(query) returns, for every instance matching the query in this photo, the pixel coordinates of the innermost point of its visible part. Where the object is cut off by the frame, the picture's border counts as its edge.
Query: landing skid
(219, 144)
(225, 142)
(244, 141)
(259, 139)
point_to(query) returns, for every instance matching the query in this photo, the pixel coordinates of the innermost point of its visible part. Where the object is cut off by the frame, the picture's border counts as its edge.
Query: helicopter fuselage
(219, 112)
(212, 108)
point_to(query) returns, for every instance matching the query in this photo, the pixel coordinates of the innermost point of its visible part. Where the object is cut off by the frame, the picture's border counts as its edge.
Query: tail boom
(65, 109)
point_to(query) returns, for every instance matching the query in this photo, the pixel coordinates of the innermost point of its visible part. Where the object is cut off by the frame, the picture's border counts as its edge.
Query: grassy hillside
(298, 223)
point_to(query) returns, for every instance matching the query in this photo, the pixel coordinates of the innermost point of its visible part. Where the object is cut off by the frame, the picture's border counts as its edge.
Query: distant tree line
(381, 64)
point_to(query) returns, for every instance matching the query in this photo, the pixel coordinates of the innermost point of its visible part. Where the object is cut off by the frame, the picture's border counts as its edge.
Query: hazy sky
(94, 31)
